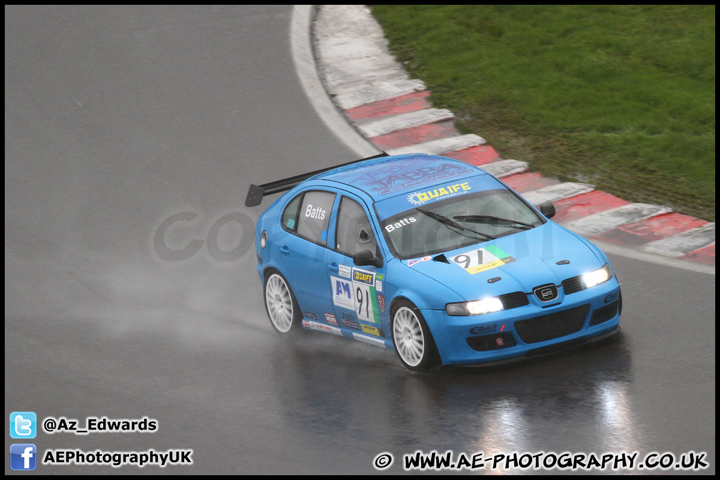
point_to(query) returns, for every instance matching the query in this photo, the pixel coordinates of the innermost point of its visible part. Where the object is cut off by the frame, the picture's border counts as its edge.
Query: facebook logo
(23, 456)
(23, 425)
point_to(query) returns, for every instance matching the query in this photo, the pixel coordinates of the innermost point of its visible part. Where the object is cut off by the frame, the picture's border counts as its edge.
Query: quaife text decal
(418, 198)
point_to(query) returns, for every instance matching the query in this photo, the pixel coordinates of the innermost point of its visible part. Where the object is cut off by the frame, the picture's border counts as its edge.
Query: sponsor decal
(342, 293)
(383, 185)
(419, 198)
(381, 302)
(612, 297)
(349, 321)
(345, 271)
(399, 224)
(319, 327)
(482, 259)
(311, 316)
(418, 260)
(372, 330)
(362, 276)
(330, 318)
(483, 329)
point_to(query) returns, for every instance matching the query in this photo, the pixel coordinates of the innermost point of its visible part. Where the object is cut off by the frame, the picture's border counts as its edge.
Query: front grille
(573, 285)
(551, 326)
(604, 314)
(513, 300)
(484, 343)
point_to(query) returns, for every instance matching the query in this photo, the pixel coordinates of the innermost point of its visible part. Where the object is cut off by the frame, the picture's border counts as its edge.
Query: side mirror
(547, 209)
(367, 258)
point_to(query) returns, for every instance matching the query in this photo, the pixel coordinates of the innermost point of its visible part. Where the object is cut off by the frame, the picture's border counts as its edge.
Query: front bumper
(528, 330)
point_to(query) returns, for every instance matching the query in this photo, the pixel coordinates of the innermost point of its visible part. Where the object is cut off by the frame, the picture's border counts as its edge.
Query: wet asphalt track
(118, 118)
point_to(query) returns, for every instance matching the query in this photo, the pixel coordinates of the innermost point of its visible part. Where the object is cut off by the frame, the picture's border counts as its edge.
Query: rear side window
(308, 215)
(290, 215)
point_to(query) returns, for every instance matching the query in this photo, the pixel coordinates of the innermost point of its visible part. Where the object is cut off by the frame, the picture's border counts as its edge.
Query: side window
(313, 216)
(354, 233)
(290, 215)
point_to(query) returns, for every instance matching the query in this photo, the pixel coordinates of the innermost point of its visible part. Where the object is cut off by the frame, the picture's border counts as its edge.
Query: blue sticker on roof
(397, 174)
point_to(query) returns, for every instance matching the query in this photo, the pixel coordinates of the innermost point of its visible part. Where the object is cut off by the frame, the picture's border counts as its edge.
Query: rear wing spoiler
(257, 192)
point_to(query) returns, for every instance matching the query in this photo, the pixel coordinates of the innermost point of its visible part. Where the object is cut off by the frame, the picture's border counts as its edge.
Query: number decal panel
(481, 259)
(365, 300)
(359, 294)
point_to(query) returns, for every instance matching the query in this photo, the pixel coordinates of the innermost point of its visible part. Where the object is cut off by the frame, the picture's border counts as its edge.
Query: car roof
(397, 174)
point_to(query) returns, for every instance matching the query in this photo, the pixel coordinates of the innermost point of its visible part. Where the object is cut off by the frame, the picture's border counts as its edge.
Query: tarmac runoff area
(392, 113)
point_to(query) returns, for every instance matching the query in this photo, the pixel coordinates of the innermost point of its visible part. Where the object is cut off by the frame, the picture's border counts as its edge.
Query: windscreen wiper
(488, 218)
(451, 223)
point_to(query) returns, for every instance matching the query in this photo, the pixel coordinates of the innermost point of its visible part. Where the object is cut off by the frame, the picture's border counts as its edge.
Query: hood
(522, 261)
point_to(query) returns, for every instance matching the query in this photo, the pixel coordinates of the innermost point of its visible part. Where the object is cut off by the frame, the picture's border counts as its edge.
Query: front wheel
(412, 338)
(281, 306)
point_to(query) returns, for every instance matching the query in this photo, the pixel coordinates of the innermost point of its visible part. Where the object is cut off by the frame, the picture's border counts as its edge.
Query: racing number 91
(464, 258)
(362, 296)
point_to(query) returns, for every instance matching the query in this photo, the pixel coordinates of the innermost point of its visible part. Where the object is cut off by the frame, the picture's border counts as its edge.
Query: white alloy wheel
(408, 337)
(279, 303)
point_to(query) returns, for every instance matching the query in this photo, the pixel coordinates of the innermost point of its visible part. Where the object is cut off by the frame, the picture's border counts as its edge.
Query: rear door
(303, 252)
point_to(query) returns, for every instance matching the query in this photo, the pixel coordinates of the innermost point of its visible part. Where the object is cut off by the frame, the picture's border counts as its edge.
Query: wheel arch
(296, 313)
(431, 358)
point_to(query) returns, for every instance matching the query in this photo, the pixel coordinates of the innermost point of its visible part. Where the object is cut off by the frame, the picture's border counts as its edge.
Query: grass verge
(621, 96)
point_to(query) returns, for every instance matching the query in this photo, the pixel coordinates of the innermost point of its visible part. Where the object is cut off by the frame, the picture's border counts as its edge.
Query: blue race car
(431, 257)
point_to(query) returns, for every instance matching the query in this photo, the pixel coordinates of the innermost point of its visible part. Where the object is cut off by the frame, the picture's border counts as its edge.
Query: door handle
(333, 267)
(285, 250)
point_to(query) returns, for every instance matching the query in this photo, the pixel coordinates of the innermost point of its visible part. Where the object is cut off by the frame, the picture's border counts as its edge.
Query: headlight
(597, 277)
(478, 307)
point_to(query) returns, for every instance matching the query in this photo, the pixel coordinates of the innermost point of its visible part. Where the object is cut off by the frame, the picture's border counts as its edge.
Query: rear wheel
(412, 338)
(281, 306)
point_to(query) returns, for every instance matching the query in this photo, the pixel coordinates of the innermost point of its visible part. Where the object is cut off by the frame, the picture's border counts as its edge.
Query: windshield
(457, 222)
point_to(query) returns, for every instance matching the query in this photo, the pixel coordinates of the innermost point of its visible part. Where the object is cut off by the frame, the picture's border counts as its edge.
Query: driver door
(357, 292)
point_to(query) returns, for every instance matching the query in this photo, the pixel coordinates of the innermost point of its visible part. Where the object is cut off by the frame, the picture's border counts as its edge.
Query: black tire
(281, 306)
(414, 344)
